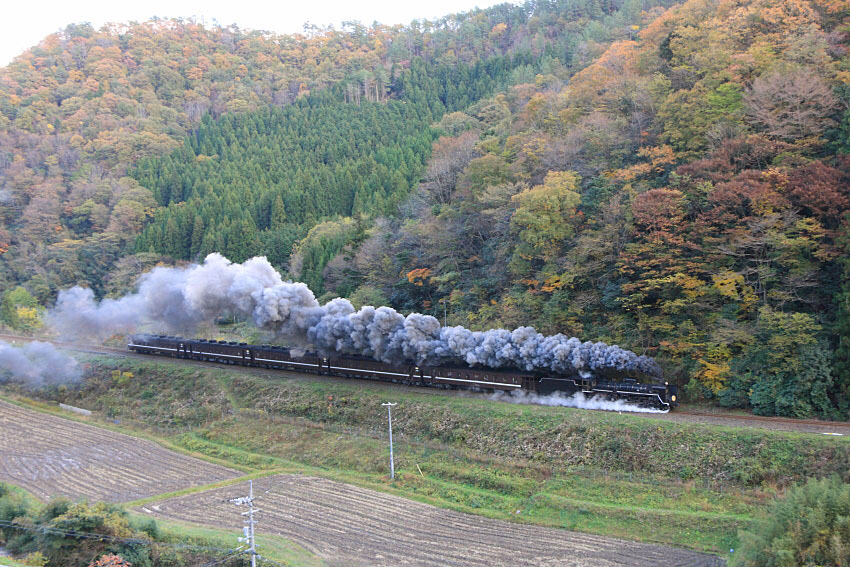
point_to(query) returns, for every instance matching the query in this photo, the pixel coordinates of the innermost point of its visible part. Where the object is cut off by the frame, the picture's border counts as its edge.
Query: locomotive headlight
(673, 398)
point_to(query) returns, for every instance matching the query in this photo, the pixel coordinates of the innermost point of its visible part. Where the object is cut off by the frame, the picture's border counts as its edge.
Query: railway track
(805, 425)
(767, 419)
(123, 352)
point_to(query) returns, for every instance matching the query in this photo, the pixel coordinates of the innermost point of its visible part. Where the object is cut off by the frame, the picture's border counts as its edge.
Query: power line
(222, 560)
(272, 561)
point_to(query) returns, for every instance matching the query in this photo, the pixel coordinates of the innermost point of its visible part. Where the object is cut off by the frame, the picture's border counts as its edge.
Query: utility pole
(390, 418)
(248, 530)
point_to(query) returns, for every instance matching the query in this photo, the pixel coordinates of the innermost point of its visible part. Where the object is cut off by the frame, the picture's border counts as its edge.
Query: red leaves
(658, 210)
(751, 193)
(820, 190)
(111, 561)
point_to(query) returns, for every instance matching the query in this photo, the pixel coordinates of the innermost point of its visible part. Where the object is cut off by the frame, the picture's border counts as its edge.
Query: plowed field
(352, 526)
(51, 456)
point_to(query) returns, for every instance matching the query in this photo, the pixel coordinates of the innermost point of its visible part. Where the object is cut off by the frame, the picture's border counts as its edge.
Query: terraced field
(51, 456)
(357, 527)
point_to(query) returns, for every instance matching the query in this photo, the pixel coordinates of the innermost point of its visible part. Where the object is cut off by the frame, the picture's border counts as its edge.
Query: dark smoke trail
(180, 298)
(37, 364)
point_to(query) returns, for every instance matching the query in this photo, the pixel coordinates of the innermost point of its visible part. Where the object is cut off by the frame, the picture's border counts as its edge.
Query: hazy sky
(23, 23)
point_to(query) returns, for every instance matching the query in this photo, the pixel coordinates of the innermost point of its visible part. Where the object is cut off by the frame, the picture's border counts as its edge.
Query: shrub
(809, 527)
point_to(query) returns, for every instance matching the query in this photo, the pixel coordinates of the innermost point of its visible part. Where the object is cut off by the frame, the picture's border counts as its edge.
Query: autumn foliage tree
(791, 105)
(110, 560)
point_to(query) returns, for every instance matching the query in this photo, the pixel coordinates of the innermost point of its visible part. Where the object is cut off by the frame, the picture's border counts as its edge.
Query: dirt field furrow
(348, 525)
(51, 456)
(448, 529)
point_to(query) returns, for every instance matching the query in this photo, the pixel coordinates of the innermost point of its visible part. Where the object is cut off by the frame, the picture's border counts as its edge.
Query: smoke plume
(37, 364)
(577, 400)
(177, 299)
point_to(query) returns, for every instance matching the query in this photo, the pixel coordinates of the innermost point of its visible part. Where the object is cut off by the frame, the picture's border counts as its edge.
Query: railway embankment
(689, 484)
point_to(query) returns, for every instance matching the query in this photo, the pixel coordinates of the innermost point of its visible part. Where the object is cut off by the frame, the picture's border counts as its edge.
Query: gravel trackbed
(51, 456)
(357, 527)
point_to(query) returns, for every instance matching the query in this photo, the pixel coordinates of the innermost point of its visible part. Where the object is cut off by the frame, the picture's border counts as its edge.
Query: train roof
(448, 366)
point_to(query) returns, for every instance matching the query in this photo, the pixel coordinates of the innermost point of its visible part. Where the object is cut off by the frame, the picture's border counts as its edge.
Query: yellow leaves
(692, 287)
(776, 177)
(533, 149)
(630, 173)
(498, 30)
(35, 559)
(221, 61)
(544, 212)
(76, 76)
(727, 283)
(536, 107)
(419, 277)
(713, 375)
(28, 318)
(556, 282)
(658, 156)
(195, 73)
(120, 377)
(733, 286)
(835, 6)
(682, 290)
(67, 244)
(600, 84)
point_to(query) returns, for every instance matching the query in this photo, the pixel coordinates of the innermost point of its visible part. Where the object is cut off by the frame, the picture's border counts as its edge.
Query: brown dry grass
(50, 456)
(353, 526)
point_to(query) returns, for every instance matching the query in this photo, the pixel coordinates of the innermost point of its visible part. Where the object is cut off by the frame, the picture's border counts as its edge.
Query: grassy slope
(685, 484)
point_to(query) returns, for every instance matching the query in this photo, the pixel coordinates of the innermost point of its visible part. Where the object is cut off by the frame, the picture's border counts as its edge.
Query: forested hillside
(254, 183)
(685, 195)
(674, 179)
(81, 109)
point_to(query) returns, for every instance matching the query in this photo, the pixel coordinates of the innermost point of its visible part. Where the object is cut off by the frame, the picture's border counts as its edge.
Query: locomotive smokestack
(180, 298)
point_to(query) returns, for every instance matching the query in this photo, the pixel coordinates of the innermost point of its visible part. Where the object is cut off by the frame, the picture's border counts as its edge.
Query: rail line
(100, 349)
(719, 417)
(766, 419)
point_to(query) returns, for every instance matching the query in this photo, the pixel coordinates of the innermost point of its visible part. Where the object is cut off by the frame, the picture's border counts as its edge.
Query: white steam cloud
(37, 364)
(177, 299)
(577, 400)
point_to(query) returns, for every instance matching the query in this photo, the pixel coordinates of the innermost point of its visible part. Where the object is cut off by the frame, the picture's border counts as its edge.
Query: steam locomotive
(652, 395)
